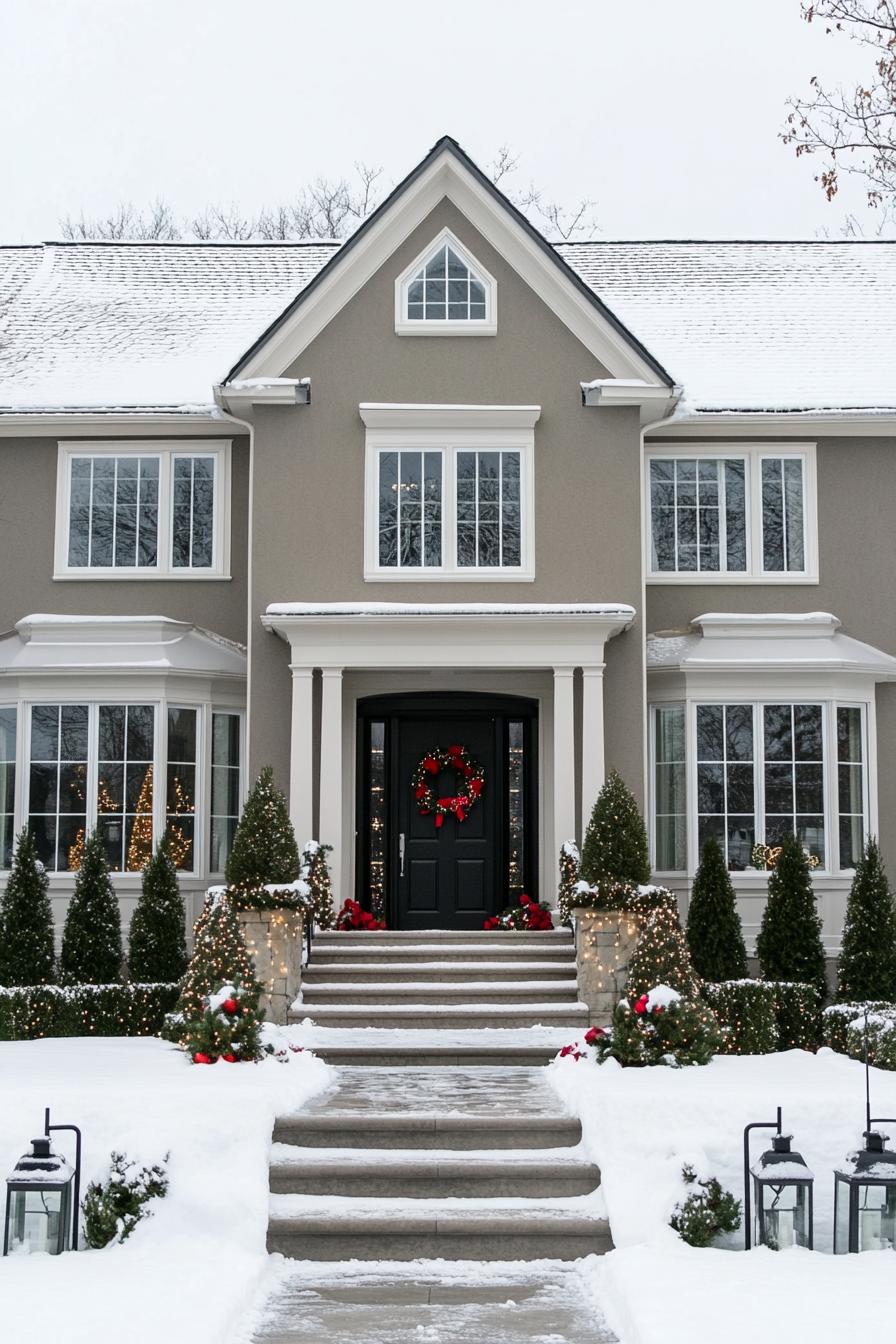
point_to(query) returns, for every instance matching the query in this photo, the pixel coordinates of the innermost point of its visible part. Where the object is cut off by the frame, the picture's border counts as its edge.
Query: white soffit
(739, 643)
(43, 643)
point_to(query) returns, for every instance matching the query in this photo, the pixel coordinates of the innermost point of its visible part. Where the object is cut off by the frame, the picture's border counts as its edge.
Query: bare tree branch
(855, 129)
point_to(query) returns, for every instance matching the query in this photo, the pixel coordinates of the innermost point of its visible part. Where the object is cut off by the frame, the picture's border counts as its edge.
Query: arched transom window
(446, 291)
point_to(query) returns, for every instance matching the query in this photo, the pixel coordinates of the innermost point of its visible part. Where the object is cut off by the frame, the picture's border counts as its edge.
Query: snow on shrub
(228, 1028)
(837, 1019)
(30, 1012)
(797, 1013)
(704, 1214)
(661, 1027)
(746, 1011)
(529, 914)
(626, 897)
(881, 1039)
(113, 1208)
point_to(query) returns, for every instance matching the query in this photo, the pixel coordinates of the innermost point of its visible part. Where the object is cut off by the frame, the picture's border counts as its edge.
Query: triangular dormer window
(445, 291)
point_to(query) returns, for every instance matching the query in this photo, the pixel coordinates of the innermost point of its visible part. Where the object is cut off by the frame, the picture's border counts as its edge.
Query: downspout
(677, 393)
(249, 428)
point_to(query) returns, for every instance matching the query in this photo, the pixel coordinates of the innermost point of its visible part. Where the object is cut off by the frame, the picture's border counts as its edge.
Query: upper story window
(445, 291)
(143, 510)
(453, 501)
(745, 514)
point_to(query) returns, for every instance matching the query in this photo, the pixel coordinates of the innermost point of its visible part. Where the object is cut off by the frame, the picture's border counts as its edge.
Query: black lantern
(39, 1202)
(782, 1194)
(779, 1186)
(865, 1198)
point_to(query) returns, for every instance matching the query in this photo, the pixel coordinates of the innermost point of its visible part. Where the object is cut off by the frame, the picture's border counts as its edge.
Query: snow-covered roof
(742, 325)
(42, 643)
(799, 642)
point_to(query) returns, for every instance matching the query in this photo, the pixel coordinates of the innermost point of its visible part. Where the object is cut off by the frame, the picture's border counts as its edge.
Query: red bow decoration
(455, 805)
(431, 765)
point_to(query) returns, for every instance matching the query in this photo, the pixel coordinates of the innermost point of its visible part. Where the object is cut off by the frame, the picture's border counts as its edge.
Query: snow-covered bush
(746, 1010)
(31, 1012)
(706, 1213)
(797, 1014)
(228, 1028)
(836, 1020)
(881, 1039)
(661, 1027)
(113, 1208)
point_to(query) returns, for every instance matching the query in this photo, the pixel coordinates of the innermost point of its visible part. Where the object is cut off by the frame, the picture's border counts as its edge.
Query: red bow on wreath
(455, 805)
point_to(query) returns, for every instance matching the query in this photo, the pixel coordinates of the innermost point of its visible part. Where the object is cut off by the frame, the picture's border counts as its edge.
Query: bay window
(143, 509)
(8, 721)
(744, 513)
(749, 772)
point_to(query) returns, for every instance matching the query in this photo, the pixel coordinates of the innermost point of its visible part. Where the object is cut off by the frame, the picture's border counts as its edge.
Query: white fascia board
(99, 645)
(655, 400)
(772, 424)
(404, 415)
(447, 177)
(247, 392)
(113, 424)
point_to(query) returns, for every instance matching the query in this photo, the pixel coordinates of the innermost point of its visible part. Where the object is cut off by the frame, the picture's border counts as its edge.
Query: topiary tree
(714, 935)
(615, 844)
(264, 847)
(157, 945)
(789, 945)
(867, 966)
(26, 920)
(91, 939)
(220, 957)
(316, 872)
(569, 876)
(661, 957)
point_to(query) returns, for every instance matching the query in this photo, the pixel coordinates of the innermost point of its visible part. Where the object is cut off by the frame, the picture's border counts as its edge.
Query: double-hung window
(732, 515)
(451, 502)
(759, 771)
(143, 509)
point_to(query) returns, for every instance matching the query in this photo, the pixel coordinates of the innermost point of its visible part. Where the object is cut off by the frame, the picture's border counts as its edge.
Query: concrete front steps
(400, 1186)
(442, 981)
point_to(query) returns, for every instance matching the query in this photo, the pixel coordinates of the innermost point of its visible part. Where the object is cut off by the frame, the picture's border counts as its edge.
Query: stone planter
(605, 941)
(274, 938)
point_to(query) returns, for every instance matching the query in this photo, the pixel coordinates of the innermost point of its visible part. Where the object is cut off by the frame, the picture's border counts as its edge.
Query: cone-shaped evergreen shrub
(157, 945)
(615, 844)
(661, 957)
(867, 968)
(264, 847)
(91, 939)
(316, 872)
(26, 920)
(220, 957)
(569, 876)
(715, 937)
(789, 945)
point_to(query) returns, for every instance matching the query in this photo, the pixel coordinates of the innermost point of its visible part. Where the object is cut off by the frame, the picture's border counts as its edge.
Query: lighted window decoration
(126, 749)
(181, 791)
(7, 783)
(225, 799)
(376, 842)
(57, 785)
(516, 810)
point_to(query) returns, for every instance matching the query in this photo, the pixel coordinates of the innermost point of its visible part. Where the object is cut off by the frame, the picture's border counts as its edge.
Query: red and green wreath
(471, 780)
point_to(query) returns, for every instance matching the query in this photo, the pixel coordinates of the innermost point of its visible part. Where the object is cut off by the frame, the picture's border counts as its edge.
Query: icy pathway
(429, 1302)
(439, 1091)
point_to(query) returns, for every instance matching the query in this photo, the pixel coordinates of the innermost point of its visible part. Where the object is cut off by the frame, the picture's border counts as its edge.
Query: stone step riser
(471, 1185)
(459, 975)
(574, 1018)
(487, 938)
(469, 1138)
(295, 1242)
(390, 956)
(514, 996)
(424, 1057)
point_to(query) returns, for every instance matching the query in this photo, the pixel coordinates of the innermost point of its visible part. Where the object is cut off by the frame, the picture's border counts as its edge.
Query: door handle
(401, 855)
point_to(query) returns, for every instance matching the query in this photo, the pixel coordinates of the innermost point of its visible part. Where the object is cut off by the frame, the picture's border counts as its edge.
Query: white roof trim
(43, 643)
(447, 177)
(246, 392)
(402, 415)
(451, 609)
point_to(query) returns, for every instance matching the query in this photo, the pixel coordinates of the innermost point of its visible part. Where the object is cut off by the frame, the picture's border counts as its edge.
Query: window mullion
(160, 770)
(164, 535)
(449, 509)
(93, 719)
(89, 510)
(759, 772)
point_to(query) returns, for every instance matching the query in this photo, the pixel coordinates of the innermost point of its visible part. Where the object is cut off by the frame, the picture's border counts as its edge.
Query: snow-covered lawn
(641, 1125)
(186, 1273)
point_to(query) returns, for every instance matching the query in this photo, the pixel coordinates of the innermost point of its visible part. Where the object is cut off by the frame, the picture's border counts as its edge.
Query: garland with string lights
(427, 772)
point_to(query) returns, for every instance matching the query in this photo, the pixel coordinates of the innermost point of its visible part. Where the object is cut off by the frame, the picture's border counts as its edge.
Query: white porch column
(592, 739)
(301, 779)
(564, 759)
(331, 772)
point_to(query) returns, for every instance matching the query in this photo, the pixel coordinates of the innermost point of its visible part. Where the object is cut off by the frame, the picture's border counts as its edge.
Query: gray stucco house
(337, 507)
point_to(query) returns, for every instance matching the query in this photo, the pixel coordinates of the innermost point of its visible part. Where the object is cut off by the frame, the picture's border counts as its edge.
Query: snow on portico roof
(789, 326)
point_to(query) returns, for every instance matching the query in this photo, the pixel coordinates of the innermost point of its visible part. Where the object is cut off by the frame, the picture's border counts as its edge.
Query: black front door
(413, 872)
(446, 874)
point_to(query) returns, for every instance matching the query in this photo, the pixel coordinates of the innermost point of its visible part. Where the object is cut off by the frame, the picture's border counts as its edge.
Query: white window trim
(166, 450)
(487, 326)
(752, 455)
(830, 703)
(449, 442)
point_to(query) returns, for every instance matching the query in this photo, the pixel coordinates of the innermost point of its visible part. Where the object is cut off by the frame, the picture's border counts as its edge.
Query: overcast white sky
(664, 111)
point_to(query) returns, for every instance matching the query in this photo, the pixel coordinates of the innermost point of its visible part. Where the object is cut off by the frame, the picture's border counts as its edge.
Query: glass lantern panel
(34, 1220)
(841, 1217)
(877, 1217)
(785, 1220)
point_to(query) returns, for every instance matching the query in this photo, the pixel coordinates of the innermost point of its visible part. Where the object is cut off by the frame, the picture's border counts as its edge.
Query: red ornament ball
(231, 1006)
(200, 1058)
(229, 1059)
